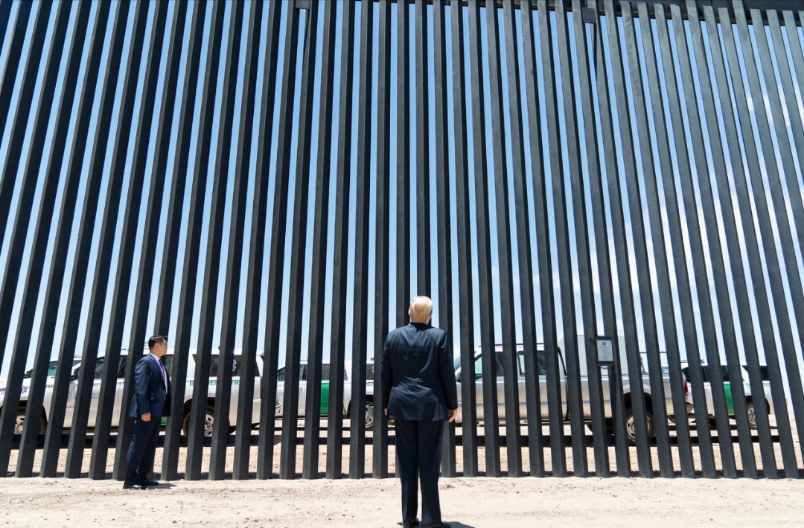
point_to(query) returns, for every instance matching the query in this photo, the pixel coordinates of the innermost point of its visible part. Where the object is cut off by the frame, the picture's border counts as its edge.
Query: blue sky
(336, 118)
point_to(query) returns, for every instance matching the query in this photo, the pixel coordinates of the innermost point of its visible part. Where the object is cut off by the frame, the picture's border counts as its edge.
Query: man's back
(418, 376)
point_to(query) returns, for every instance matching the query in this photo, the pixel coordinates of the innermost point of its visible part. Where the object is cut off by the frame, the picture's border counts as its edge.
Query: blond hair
(421, 309)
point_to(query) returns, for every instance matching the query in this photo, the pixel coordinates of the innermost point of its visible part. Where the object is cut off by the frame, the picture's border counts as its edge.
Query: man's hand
(452, 414)
(386, 411)
(146, 417)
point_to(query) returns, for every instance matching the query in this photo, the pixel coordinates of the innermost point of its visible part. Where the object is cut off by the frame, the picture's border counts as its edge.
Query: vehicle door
(499, 382)
(324, 409)
(727, 389)
(302, 389)
(96, 389)
(541, 370)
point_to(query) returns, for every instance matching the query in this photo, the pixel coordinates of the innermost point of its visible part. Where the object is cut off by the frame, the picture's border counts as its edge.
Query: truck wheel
(630, 425)
(752, 415)
(19, 424)
(369, 416)
(209, 423)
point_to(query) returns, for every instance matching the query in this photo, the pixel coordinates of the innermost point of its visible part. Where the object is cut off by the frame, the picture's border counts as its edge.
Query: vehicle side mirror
(75, 373)
(458, 377)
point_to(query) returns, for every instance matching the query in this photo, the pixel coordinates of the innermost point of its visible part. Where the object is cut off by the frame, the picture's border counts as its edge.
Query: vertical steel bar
(616, 423)
(75, 451)
(61, 384)
(36, 391)
(341, 259)
(103, 421)
(198, 411)
(757, 275)
(491, 436)
(464, 230)
(636, 401)
(231, 295)
(39, 245)
(503, 223)
(442, 141)
(403, 164)
(154, 206)
(640, 231)
(553, 376)
(245, 403)
(276, 279)
(701, 279)
(10, 73)
(788, 87)
(5, 16)
(290, 407)
(357, 425)
(268, 381)
(601, 237)
(696, 377)
(736, 261)
(573, 389)
(786, 148)
(784, 232)
(578, 200)
(180, 338)
(312, 422)
(18, 130)
(619, 409)
(382, 273)
(707, 201)
(17, 246)
(660, 257)
(522, 210)
(423, 258)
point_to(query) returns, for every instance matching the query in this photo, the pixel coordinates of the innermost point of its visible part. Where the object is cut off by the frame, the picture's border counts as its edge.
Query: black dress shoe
(126, 485)
(410, 524)
(149, 483)
(439, 525)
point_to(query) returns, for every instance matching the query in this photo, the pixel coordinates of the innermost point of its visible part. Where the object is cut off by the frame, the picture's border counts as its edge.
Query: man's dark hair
(155, 340)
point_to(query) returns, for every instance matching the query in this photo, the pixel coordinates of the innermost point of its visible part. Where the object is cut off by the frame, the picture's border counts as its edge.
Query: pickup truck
(541, 363)
(325, 377)
(168, 360)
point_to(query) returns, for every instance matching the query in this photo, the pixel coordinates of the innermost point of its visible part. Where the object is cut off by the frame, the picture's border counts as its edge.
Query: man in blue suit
(150, 403)
(419, 393)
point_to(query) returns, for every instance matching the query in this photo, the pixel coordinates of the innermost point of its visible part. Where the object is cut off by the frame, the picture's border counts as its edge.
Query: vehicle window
(167, 360)
(521, 363)
(280, 374)
(99, 368)
(724, 370)
(479, 366)
(764, 373)
(541, 364)
(303, 376)
(324, 372)
(121, 368)
(213, 366)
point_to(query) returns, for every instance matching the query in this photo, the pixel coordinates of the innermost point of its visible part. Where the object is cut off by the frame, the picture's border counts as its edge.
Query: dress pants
(418, 446)
(141, 450)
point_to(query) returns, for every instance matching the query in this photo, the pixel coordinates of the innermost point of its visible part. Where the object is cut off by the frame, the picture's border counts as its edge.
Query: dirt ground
(478, 503)
(466, 502)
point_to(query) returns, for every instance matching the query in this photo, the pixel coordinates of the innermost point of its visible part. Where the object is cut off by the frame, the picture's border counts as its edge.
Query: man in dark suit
(419, 393)
(150, 403)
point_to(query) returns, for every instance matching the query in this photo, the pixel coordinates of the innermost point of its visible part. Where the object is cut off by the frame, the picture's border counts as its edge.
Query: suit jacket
(418, 376)
(150, 395)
